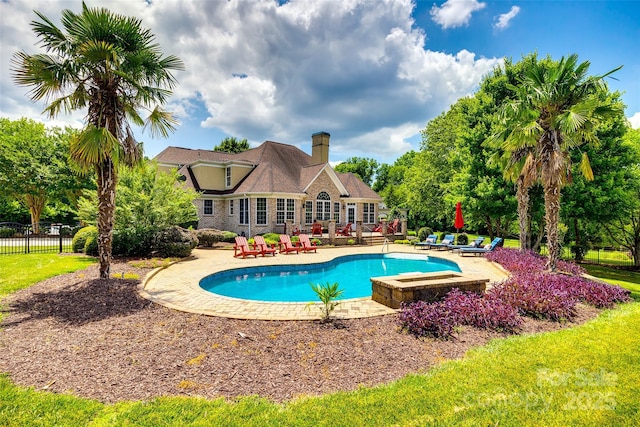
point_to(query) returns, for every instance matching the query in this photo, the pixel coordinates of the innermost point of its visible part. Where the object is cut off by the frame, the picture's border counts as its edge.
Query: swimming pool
(290, 283)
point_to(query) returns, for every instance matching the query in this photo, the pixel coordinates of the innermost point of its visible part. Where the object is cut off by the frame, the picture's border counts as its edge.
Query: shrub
(274, 238)
(539, 295)
(463, 239)
(402, 242)
(423, 233)
(327, 293)
(134, 241)
(7, 232)
(80, 239)
(209, 236)
(439, 319)
(314, 241)
(174, 242)
(229, 236)
(411, 233)
(481, 311)
(426, 320)
(515, 261)
(91, 245)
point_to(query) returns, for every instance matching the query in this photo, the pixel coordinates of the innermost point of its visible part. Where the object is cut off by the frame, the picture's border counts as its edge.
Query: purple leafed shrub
(537, 294)
(481, 311)
(515, 262)
(427, 320)
(439, 319)
(598, 294)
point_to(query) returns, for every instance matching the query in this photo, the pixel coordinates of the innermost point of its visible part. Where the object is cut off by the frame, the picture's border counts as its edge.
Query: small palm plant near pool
(327, 293)
(529, 291)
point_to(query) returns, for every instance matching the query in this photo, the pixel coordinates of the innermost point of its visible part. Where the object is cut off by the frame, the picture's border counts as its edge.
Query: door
(351, 212)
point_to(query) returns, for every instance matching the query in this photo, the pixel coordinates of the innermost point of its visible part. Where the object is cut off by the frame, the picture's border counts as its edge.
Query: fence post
(28, 233)
(60, 238)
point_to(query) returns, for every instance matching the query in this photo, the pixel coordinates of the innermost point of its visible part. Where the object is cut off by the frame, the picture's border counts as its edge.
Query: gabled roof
(277, 168)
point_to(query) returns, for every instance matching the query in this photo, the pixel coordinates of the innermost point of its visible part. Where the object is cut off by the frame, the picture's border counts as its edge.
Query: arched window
(323, 206)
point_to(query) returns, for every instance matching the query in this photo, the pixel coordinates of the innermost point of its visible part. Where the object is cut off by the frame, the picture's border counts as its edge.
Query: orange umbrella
(459, 220)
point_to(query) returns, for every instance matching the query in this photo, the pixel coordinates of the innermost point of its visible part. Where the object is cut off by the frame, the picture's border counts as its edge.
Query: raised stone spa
(392, 291)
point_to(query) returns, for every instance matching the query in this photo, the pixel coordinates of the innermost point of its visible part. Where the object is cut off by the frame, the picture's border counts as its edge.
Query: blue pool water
(290, 283)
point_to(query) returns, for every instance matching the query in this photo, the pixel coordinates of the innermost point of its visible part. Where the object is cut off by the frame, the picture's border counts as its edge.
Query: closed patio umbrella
(459, 223)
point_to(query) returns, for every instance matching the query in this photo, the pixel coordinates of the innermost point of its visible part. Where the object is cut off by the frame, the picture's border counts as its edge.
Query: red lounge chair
(344, 231)
(306, 245)
(316, 229)
(286, 246)
(242, 248)
(377, 228)
(262, 246)
(392, 228)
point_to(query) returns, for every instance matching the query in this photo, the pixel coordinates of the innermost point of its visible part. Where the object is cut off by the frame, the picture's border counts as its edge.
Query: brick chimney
(320, 148)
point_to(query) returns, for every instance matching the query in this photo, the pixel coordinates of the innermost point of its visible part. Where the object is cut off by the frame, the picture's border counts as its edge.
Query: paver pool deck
(178, 286)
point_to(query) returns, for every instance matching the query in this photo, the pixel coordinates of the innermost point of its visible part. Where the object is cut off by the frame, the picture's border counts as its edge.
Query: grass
(584, 376)
(625, 278)
(21, 271)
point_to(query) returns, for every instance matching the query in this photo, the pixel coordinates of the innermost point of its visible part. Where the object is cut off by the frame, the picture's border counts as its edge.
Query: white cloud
(356, 69)
(635, 120)
(504, 20)
(455, 13)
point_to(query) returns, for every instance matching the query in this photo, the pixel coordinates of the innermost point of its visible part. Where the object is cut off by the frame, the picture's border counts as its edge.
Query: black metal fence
(599, 255)
(18, 238)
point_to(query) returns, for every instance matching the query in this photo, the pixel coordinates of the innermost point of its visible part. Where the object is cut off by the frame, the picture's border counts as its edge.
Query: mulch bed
(99, 339)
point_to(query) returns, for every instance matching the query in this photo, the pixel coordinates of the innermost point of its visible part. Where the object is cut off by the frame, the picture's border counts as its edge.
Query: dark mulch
(100, 339)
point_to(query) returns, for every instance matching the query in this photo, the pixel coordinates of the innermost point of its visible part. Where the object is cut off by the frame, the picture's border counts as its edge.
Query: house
(272, 188)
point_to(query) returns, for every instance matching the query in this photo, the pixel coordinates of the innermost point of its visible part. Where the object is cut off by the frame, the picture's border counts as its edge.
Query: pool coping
(178, 285)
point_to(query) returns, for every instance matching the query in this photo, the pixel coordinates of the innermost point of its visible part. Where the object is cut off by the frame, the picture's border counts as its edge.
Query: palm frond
(585, 167)
(160, 123)
(92, 146)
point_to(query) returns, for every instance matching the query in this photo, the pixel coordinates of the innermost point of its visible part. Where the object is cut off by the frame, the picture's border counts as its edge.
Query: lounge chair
(477, 251)
(262, 246)
(446, 242)
(286, 246)
(305, 244)
(428, 242)
(242, 248)
(316, 229)
(377, 228)
(392, 227)
(477, 243)
(344, 231)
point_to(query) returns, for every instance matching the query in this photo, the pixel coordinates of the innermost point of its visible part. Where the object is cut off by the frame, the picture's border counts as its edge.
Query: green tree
(33, 165)
(625, 230)
(556, 110)
(365, 168)
(147, 198)
(231, 144)
(110, 65)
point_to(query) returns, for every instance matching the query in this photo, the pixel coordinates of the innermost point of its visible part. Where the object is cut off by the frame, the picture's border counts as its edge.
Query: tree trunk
(522, 194)
(552, 217)
(36, 206)
(106, 180)
(489, 227)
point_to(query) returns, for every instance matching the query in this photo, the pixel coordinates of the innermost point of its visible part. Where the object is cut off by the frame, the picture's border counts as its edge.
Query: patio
(177, 286)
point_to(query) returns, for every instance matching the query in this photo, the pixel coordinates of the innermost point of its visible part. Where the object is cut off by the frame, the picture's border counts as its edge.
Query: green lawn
(627, 279)
(21, 271)
(584, 376)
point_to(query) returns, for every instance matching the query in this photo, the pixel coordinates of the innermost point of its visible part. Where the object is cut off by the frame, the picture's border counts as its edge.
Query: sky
(372, 73)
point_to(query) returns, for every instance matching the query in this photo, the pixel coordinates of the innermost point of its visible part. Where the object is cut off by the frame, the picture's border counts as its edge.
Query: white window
(244, 211)
(230, 207)
(228, 176)
(369, 213)
(336, 211)
(261, 211)
(323, 207)
(208, 207)
(285, 209)
(308, 212)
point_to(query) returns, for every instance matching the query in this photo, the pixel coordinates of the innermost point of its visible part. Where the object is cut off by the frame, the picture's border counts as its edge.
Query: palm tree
(555, 111)
(111, 65)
